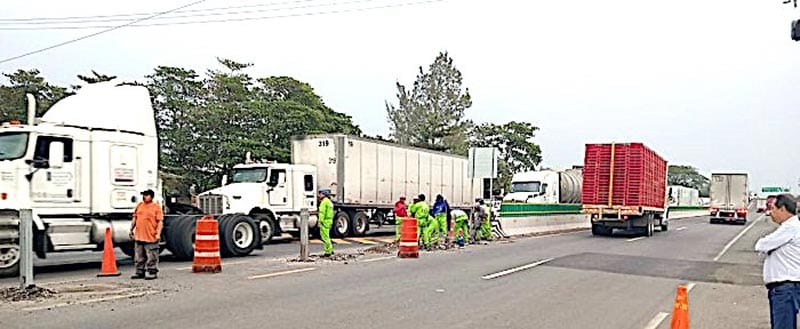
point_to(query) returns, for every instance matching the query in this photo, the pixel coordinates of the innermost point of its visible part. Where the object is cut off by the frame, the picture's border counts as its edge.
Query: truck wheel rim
(9, 256)
(361, 224)
(266, 230)
(341, 226)
(243, 235)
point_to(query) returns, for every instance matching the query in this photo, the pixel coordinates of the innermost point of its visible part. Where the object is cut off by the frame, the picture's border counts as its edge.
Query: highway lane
(591, 282)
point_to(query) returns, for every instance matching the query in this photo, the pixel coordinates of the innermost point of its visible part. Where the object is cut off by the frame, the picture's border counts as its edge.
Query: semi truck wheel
(341, 225)
(360, 224)
(238, 235)
(650, 229)
(600, 230)
(181, 238)
(267, 226)
(9, 260)
(664, 226)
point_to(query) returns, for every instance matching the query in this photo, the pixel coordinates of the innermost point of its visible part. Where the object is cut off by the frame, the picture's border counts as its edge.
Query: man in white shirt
(782, 263)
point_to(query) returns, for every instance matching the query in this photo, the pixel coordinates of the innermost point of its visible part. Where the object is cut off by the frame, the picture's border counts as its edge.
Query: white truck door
(278, 188)
(54, 179)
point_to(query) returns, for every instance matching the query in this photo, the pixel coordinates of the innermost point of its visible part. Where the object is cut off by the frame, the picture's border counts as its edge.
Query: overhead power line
(214, 12)
(131, 16)
(99, 32)
(234, 19)
(241, 19)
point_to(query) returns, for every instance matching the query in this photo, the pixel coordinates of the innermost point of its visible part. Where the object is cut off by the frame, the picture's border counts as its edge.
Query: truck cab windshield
(13, 145)
(534, 187)
(249, 175)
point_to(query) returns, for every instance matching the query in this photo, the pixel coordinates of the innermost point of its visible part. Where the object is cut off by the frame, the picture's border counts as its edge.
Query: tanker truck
(546, 187)
(81, 168)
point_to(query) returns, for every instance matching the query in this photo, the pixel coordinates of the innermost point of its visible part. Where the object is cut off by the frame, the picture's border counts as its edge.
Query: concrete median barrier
(523, 218)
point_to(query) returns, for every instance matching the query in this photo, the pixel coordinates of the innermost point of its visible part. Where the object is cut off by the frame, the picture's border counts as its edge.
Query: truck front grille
(211, 204)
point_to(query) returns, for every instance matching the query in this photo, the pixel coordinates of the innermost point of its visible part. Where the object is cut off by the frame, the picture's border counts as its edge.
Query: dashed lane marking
(271, 275)
(514, 270)
(737, 237)
(636, 239)
(656, 321)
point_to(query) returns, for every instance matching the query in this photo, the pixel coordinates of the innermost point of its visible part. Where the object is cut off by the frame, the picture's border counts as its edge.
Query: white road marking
(636, 239)
(656, 321)
(223, 265)
(514, 270)
(681, 228)
(690, 286)
(377, 259)
(89, 301)
(270, 275)
(737, 237)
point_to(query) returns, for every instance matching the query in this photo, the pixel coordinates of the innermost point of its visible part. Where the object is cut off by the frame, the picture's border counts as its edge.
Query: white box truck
(81, 168)
(729, 198)
(365, 177)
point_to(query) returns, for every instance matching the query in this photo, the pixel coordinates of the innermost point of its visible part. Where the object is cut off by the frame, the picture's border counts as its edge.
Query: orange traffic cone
(680, 313)
(109, 267)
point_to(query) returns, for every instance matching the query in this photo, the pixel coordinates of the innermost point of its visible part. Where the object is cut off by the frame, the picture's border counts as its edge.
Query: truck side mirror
(224, 180)
(56, 155)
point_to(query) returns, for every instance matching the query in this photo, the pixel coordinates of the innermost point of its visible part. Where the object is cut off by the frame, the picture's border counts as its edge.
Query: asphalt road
(582, 282)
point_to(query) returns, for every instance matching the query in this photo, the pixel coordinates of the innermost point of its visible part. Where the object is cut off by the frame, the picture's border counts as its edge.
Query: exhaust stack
(31, 109)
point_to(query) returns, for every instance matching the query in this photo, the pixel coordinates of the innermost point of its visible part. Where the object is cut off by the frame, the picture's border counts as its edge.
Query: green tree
(13, 103)
(96, 77)
(206, 125)
(688, 176)
(514, 140)
(431, 114)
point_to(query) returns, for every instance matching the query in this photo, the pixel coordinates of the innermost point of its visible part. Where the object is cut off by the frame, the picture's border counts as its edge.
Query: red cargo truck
(624, 187)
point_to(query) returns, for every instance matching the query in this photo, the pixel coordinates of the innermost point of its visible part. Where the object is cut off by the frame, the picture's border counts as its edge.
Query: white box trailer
(367, 173)
(369, 176)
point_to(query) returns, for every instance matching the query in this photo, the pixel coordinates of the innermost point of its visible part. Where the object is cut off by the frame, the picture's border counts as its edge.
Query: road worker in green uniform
(461, 228)
(421, 211)
(437, 230)
(325, 220)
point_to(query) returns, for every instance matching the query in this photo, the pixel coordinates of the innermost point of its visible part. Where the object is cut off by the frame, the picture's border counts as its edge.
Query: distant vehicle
(729, 198)
(681, 196)
(624, 187)
(546, 187)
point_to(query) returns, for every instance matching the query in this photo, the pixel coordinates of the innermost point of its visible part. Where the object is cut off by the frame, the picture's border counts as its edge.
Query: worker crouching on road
(325, 221)
(146, 226)
(400, 212)
(782, 265)
(421, 211)
(461, 227)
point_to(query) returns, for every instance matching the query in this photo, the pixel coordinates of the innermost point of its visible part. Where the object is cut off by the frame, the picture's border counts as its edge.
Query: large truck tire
(181, 237)
(664, 225)
(9, 261)
(650, 225)
(341, 224)
(267, 227)
(238, 235)
(360, 223)
(600, 230)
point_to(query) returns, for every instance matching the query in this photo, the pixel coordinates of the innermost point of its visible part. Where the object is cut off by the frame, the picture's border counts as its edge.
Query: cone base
(108, 274)
(207, 269)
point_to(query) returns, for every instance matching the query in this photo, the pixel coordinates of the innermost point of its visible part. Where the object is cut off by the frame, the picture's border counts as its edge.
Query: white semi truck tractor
(81, 168)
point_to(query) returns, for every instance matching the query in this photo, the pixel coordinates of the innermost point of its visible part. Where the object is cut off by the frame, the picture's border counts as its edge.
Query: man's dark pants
(784, 302)
(146, 257)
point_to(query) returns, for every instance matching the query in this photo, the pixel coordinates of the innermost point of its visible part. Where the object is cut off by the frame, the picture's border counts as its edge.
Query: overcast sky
(713, 84)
